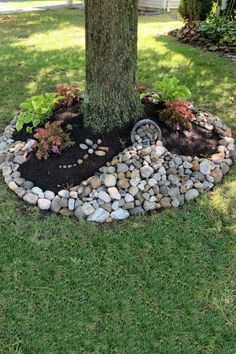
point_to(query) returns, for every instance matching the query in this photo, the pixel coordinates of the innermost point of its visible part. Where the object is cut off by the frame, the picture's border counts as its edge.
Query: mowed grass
(19, 4)
(155, 284)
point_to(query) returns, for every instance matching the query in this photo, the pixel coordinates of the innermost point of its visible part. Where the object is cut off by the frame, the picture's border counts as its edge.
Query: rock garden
(172, 155)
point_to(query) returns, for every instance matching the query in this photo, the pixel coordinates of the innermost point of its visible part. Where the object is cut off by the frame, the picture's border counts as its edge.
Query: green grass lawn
(22, 4)
(154, 284)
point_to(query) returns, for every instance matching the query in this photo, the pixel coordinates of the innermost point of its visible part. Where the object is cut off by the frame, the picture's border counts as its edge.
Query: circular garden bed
(102, 177)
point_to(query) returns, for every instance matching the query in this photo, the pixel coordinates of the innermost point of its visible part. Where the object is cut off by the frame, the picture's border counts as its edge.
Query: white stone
(3, 145)
(110, 180)
(44, 204)
(205, 167)
(6, 171)
(115, 205)
(129, 198)
(147, 205)
(49, 195)
(30, 198)
(100, 215)
(135, 181)
(152, 182)
(133, 190)
(20, 159)
(120, 214)
(104, 197)
(174, 179)
(71, 204)
(161, 171)
(187, 164)
(114, 193)
(191, 194)
(12, 185)
(122, 167)
(87, 209)
(64, 193)
(83, 146)
(146, 171)
(88, 142)
(175, 203)
(38, 191)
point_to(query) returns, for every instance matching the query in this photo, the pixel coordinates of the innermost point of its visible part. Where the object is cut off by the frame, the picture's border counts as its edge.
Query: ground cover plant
(154, 284)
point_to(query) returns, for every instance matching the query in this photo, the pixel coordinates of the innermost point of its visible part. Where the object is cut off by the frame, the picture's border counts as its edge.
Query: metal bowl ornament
(146, 132)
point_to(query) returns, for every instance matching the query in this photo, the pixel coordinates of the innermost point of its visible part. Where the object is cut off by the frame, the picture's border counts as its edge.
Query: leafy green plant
(219, 28)
(177, 115)
(36, 110)
(51, 139)
(195, 10)
(170, 89)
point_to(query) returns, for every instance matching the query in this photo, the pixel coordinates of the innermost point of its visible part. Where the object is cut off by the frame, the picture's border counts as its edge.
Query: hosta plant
(69, 92)
(177, 115)
(221, 29)
(51, 139)
(36, 110)
(171, 89)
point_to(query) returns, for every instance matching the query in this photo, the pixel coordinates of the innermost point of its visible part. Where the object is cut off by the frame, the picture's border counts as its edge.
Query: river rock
(217, 175)
(191, 194)
(87, 209)
(122, 167)
(49, 195)
(120, 214)
(100, 215)
(224, 167)
(104, 197)
(136, 211)
(114, 193)
(123, 183)
(55, 204)
(44, 204)
(83, 146)
(100, 153)
(30, 198)
(146, 171)
(129, 198)
(165, 202)
(110, 180)
(147, 205)
(205, 167)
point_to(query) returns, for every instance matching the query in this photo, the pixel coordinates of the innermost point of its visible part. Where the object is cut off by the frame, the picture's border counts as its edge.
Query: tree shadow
(36, 22)
(196, 69)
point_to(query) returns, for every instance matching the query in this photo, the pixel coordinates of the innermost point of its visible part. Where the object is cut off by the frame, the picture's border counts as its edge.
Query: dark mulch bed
(46, 174)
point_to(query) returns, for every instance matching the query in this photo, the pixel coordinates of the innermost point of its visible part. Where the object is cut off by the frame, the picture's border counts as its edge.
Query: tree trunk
(112, 97)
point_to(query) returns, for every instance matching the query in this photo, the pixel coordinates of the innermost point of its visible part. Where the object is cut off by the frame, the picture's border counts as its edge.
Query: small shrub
(36, 110)
(69, 92)
(51, 139)
(177, 115)
(195, 10)
(170, 89)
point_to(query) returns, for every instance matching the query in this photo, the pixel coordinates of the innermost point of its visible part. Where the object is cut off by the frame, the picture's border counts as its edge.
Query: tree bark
(112, 97)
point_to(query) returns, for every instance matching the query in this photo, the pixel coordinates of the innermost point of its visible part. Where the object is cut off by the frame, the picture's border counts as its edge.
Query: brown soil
(46, 174)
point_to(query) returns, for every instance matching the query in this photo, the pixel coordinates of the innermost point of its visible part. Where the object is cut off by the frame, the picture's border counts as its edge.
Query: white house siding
(154, 4)
(159, 4)
(172, 4)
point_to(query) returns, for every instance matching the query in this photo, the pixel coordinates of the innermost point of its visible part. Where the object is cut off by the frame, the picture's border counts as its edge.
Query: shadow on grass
(153, 284)
(212, 80)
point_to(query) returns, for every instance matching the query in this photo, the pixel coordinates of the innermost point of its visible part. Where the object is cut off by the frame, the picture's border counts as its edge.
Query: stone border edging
(139, 179)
